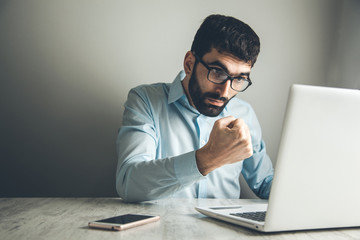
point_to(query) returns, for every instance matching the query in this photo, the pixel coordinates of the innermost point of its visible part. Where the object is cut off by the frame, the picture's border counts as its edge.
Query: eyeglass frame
(228, 76)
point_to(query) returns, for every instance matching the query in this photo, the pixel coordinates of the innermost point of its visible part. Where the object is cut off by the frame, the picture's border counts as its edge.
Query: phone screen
(123, 219)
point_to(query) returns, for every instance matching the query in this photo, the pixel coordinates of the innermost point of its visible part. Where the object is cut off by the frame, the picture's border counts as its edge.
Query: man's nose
(224, 89)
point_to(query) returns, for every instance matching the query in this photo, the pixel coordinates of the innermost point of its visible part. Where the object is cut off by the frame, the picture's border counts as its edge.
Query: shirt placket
(204, 127)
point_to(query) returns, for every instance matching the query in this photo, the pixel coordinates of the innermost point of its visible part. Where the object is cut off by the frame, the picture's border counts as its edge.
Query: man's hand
(229, 142)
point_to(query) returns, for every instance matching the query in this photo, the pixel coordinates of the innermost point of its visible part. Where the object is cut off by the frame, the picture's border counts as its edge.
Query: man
(192, 138)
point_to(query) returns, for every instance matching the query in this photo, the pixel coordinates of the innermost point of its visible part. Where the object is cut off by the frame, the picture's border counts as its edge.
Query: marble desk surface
(67, 218)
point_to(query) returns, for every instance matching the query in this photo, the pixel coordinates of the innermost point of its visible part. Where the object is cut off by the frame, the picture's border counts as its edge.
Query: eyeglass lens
(220, 77)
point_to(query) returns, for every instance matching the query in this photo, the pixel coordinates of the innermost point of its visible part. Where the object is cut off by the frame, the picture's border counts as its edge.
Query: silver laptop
(317, 175)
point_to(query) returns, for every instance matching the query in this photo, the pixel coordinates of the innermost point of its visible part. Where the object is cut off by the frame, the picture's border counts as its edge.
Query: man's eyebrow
(221, 65)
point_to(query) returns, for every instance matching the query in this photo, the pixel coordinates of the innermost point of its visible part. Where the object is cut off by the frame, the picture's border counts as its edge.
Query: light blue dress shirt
(157, 142)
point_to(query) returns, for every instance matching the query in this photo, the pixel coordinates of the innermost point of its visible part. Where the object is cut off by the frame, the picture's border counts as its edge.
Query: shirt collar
(176, 88)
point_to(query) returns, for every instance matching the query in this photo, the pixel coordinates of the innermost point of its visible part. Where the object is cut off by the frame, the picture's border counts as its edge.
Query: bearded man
(192, 138)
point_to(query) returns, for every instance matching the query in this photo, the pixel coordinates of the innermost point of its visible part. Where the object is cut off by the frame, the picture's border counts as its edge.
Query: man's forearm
(139, 180)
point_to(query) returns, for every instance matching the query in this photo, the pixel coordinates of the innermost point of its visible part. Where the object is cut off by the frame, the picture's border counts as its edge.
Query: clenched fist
(229, 142)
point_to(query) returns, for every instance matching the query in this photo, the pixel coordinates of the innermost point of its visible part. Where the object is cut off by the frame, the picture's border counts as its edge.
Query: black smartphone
(123, 222)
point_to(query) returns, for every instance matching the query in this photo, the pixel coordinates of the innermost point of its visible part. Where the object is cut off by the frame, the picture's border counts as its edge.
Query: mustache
(214, 96)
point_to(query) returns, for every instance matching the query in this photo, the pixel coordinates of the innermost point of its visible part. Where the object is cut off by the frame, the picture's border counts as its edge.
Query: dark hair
(229, 35)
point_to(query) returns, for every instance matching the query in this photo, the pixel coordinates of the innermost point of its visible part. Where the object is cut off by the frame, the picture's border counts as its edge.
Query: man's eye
(242, 78)
(218, 73)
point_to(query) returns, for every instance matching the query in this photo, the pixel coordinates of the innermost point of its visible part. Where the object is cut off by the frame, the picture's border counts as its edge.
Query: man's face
(210, 98)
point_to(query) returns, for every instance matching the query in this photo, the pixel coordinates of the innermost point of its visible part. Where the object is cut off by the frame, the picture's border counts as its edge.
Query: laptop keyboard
(256, 216)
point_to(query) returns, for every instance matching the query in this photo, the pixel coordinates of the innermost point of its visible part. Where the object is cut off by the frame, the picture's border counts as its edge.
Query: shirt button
(203, 142)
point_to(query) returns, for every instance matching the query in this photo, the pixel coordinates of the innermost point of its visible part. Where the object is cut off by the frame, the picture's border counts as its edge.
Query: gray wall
(66, 68)
(344, 62)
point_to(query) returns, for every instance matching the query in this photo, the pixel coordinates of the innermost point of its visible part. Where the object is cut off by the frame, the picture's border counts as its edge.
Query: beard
(199, 98)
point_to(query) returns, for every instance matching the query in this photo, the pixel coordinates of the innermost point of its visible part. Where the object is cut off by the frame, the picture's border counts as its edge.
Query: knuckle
(240, 121)
(218, 124)
(219, 121)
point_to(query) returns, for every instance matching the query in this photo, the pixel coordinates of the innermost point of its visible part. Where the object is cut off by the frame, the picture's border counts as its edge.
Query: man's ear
(189, 62)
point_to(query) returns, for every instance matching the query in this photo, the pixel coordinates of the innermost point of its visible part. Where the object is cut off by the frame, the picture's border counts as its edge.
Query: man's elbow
(135, 195)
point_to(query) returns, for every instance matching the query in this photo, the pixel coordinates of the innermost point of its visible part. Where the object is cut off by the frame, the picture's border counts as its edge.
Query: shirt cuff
(186, 169)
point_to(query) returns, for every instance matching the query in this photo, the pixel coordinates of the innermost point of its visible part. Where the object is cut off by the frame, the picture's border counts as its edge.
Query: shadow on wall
(56, 140)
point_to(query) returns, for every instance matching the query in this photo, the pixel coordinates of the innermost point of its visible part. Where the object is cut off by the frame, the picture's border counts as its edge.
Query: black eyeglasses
(218, 76)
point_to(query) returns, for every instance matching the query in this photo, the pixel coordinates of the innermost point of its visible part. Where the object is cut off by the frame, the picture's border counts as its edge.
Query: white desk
(67, 218)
